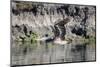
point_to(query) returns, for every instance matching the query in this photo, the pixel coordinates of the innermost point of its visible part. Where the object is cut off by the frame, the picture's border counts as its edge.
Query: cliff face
(30, 17)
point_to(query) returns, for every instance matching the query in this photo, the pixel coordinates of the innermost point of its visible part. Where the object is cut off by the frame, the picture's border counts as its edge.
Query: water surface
(42, 53)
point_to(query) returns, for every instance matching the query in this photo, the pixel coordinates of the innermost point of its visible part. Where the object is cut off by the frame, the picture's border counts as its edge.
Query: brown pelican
(60, 30)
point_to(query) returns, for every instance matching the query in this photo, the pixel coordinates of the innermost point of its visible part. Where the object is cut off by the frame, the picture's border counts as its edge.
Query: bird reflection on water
(43, 52)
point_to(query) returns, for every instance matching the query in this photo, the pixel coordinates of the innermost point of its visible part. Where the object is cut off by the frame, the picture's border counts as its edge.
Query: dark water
(42, 53)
